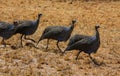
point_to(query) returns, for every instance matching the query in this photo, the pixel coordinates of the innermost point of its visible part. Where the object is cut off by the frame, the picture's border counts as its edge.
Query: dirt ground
(29, 61)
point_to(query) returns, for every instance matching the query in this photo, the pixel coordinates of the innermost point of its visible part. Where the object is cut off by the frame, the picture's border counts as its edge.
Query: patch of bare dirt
(29, 61)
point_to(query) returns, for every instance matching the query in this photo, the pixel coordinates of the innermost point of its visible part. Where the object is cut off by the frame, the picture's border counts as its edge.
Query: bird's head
(97, 26)
(73, 24)
(39, 15)
(15, 23)
(73, 21)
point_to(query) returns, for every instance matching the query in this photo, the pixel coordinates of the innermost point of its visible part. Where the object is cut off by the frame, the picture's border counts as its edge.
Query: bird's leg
(93, 60)
(29, 39)
(21, 40)
(47, 44)
(58, 46)
(38, 42)
(63, 53)
(77, 55)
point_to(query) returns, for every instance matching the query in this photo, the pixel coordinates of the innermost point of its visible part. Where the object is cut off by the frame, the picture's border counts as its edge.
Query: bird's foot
(60, 50)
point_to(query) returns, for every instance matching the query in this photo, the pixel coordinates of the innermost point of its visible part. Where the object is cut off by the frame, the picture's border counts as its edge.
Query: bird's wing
(49, 28)
(53, 32)
(22, 21)
(4, 25)
(83, 43)
(76, 38)
(23, 24)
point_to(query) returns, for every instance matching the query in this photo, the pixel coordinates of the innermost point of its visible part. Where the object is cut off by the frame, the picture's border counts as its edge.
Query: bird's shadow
(96, 62)
(29, 44)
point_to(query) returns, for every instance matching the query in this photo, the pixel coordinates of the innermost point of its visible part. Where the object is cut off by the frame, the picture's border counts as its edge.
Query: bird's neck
(38, 20)
(97, 34)
(71, 27)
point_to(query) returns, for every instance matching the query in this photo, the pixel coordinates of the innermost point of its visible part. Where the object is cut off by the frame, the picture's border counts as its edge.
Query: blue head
(15, 23)
(37, 21)
(97, 26)
(73, 24)
(97, 32)
(39, 15)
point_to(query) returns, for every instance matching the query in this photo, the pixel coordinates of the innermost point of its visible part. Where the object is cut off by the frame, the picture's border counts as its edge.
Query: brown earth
(29, 61)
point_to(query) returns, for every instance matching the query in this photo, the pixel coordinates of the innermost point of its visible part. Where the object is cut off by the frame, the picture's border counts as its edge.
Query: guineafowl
(59, 33)
(28, 27)
(87, 44)
(7, 30)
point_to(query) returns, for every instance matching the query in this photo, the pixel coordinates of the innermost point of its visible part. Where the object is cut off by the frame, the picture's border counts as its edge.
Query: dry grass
(29, 61)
